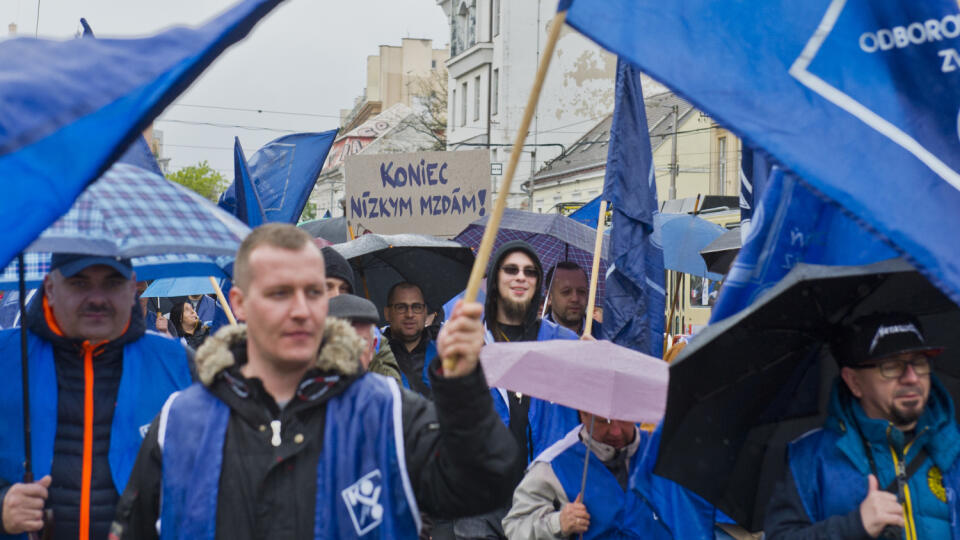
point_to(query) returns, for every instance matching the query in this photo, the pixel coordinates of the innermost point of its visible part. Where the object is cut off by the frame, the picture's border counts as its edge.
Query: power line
(259, 111)
(219, 125)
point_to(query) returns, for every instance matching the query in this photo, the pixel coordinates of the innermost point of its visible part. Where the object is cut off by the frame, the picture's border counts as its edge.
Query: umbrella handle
(586, 460)
(597, 249)
(493, 224)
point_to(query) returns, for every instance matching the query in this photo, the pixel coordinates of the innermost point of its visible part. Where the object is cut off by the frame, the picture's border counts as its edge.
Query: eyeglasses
(402, 309)
(512, 270)
(894, 368)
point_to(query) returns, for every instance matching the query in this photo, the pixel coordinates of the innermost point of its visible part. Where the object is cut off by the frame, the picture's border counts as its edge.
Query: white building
(495, 47)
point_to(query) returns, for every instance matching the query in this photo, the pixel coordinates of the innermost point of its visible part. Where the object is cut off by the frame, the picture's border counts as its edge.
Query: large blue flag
(247, 206)
(138, 154)
(792, 224)
(633, 308)
(284, 172)
(71, 108)
(859, 98)
(589, 213)
(754, 171)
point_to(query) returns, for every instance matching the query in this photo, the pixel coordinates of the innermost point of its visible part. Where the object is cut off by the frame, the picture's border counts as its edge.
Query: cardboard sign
(435, 193)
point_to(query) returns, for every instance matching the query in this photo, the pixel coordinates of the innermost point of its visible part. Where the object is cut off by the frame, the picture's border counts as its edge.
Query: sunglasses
(512, 270)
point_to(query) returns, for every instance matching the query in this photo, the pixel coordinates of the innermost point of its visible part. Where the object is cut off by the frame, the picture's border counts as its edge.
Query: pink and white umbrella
(598, 377)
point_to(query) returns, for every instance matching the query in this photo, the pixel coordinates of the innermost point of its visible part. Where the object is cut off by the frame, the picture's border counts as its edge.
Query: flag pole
(223, 301)
(493, 224)
(594, 275)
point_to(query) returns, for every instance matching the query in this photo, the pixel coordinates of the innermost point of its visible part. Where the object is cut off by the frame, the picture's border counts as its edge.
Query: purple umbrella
(598, 377)
(554, 237)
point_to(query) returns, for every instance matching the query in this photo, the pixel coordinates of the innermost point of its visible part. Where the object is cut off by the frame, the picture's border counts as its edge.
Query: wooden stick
(223, 301)
(594, 275)
(493, 224)
(676, 294)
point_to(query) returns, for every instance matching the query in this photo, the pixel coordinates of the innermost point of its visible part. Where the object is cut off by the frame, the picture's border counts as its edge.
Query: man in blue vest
(511, 313)
(97, 379)
(411, 342)
(623, 498)
(885, 462)
(287, 437)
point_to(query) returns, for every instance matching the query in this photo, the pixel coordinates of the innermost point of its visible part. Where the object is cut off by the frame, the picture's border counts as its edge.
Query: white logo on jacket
(363, 502)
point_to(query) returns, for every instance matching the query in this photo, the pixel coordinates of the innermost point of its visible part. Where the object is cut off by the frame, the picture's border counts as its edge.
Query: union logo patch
(363, 502)
(935, 481)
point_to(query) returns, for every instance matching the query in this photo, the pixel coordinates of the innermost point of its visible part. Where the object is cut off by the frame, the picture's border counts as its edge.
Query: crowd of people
(308, 420)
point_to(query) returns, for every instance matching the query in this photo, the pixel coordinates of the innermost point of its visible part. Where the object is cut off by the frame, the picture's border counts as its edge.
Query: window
(453, 107)
(433, 64)
(722, 165)
(495, 13)
(463, 104)
(495, 88)
(476, 97)
(703, 292)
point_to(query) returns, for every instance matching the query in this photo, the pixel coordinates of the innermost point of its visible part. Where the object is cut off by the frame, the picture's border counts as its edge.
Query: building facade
(495, 47)
(392, 77)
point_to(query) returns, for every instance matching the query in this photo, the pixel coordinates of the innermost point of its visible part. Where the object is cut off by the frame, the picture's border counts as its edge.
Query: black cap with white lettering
(877, 336)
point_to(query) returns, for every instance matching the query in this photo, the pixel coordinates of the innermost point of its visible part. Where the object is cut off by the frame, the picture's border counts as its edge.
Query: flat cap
(353, 308)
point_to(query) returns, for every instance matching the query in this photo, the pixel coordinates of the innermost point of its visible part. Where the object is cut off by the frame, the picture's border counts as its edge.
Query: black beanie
(337, 266)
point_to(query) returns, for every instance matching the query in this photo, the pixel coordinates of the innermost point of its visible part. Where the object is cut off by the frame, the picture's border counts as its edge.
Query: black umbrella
(720, 253)
(440, 268)
(748, 385)
(333, 230)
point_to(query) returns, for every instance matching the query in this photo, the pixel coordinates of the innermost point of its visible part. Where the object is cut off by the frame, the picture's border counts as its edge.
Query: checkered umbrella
(128, 212)
(554, 237)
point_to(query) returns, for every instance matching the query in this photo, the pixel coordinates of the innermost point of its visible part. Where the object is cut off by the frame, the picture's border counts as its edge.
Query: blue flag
(633, 308)
(247, 206)
(858, 98)
(754, 171)
(792, 224)
(138, 154)
(589, 213)
(284, 172)
(71, 108)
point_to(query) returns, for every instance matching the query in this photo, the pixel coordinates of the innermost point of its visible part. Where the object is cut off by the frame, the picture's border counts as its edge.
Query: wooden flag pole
(493, 224)
(594, 275)
(223, 301)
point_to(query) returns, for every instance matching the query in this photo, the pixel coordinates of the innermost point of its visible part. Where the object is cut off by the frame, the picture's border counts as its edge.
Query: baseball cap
(880, 335)
(353, 308)
(70, 264)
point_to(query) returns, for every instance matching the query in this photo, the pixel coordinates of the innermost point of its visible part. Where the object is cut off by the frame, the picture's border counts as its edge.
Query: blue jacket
(362, 481)
(830, 465)
(153, 368)
(614, 513)
(549, 422)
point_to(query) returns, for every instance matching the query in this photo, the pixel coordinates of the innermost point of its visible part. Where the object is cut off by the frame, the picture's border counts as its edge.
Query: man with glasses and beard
(514, 282)
(885, 462)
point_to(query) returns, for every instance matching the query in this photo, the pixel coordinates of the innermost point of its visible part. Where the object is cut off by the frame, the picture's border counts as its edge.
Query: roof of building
(590, 150)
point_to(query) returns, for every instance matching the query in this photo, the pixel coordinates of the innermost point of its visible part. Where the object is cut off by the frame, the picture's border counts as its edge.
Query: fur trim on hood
(339, 353)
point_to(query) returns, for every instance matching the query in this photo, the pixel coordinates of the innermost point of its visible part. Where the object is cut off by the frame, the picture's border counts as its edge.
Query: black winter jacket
(67, 465)
(458, 452)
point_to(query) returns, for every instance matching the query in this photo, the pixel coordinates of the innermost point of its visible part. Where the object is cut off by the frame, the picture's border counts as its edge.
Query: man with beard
(514, 280)
(885, 461)
(568, 297)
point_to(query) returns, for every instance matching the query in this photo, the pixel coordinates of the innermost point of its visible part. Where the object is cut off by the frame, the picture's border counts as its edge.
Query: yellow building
(706, 158)
(392, 78)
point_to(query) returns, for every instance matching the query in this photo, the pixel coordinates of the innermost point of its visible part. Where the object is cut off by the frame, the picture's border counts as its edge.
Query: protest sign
(436, 193)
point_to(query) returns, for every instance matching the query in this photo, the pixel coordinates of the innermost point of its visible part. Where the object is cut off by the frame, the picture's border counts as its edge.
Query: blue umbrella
(165, 228)
(179, 286)
(682, 236)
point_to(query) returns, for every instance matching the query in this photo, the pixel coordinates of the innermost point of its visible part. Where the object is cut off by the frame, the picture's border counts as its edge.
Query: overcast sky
(306, 57)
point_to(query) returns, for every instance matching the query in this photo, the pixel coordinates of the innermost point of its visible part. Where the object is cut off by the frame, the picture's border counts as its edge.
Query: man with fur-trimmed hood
(278, 441)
